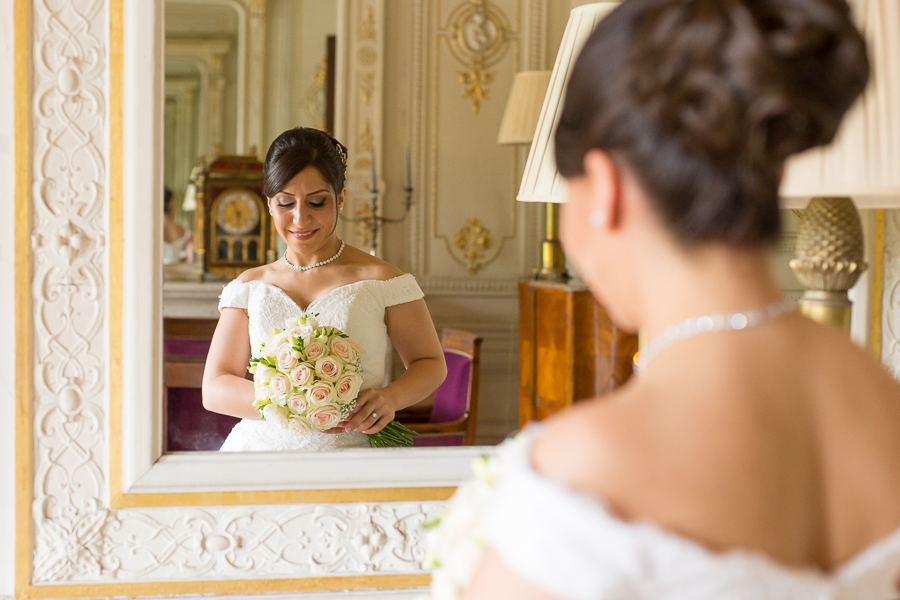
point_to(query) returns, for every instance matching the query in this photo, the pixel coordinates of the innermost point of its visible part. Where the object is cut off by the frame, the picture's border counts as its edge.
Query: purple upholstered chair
(451, 419)
(189, 426)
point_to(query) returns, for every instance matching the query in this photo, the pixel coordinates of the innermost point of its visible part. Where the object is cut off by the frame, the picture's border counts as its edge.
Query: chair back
(456, 399)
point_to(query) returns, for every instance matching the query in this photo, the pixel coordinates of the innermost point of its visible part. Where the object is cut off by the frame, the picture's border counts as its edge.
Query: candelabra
(373, 221)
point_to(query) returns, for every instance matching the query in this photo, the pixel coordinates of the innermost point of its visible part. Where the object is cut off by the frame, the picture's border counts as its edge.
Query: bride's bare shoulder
(371, 267)
(255, 273)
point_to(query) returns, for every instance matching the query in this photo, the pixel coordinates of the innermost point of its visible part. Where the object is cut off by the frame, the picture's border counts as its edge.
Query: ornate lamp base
(553, 261)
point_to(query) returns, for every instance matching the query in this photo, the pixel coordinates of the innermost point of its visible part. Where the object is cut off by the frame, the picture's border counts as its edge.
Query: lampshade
(523, 108)
(864, 161)
(541, 182)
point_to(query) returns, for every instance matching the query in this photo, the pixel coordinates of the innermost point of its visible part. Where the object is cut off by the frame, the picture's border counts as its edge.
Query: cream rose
(342, 348)
(263, 374)
(347, 387)
(355, 345)
(301, 331)
(261, 392)
(321, 394)
(300, 426)
(324, 417)
(286, 357)
(301, 375)
(297, 403)
(315, 351)
(328, 368)
(274, 344)
(280, 386)
(277, 415)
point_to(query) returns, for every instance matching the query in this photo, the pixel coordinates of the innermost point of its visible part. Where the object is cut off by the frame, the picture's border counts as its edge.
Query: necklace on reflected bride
(733, 321)
(318, 264)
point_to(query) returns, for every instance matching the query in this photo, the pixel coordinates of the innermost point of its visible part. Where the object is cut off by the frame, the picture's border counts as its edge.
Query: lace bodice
(356, 309)
(569, 544)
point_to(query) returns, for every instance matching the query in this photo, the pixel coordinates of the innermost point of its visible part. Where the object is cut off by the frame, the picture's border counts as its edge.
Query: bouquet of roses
(307, 379)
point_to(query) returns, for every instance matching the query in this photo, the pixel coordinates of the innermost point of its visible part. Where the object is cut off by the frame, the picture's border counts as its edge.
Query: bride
(363, 296)
(757, 460)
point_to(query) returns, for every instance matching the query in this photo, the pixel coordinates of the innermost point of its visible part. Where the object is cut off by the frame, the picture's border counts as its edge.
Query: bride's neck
(675, 286)
(326, 251)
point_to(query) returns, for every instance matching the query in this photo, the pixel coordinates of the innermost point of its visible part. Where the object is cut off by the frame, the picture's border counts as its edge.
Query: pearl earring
(597, 219)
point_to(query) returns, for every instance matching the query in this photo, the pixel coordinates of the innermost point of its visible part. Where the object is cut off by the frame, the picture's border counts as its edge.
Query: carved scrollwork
(891, 303)
(473, 240)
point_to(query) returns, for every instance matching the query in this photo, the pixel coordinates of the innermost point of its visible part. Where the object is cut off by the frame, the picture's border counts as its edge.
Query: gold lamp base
(553, 261)
(827, 307)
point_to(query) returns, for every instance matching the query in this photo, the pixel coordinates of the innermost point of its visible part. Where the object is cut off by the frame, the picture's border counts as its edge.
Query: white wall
(7, 378)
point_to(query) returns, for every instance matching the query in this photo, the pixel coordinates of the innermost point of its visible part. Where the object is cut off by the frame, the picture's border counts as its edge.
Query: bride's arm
(413, 335)
(226, 388)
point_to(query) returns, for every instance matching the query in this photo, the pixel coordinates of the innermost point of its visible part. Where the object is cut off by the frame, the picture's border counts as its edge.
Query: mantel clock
(235, 229)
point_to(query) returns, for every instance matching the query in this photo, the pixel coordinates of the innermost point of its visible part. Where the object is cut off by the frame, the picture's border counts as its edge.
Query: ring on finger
(373, 415)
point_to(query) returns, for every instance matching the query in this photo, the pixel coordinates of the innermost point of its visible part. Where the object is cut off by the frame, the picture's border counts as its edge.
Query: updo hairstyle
(302, 147)
(704, 100)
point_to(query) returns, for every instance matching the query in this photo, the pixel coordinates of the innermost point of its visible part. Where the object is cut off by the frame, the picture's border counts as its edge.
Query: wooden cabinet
(569, 349)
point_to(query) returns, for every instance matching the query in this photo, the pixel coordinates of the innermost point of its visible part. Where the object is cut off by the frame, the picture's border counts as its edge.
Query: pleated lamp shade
(523, 109)
(541, 181)
(863, 163)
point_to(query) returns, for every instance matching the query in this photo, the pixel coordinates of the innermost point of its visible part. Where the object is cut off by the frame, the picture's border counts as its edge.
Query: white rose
(347, 387)
(300, 426)
(324, 417)
(343, 349)
(273, 344)
(280, 386)
(301, 331)
(314, 351)
(328, 368)
(261, 392)
(311, 321)
(321, 394)
(297, 403)
(301, 375)
(264, 374)
(286, 357)
(277, 415)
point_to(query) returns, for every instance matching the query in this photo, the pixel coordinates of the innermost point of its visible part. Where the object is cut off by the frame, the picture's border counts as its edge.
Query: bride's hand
(373, 412)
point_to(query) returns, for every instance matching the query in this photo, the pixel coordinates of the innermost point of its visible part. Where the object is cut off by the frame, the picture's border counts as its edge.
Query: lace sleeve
(235, 295)
(400, 290)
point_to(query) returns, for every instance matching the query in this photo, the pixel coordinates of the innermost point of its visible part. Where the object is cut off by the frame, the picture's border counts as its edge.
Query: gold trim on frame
(878, 284)
(22, 293)
(24, 535)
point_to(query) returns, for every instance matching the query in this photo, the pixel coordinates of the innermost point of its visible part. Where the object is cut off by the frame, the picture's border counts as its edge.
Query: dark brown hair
(302, 147)
(704, 100)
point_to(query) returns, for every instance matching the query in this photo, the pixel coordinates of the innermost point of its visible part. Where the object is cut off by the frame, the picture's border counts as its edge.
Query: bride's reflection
(342, 287)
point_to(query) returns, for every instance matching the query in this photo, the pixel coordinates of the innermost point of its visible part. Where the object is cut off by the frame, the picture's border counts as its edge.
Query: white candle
(374, 177)
(408, 170)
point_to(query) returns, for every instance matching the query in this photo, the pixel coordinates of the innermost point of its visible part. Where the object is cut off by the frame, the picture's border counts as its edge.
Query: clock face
(237, 212)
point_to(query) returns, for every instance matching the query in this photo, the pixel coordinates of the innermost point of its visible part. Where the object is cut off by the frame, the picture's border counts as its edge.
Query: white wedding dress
(570, 545)
(357, 309)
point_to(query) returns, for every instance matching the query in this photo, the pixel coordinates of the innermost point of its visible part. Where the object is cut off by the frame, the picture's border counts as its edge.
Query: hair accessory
(342, 151)
(318, 264)
(733, 321)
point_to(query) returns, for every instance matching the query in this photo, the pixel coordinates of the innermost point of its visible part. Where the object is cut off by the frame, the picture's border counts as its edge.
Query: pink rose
(280, 385)
(342, 348)
(347, 387)
(297, 403)
(300, 426)
(321, 394)
(301, 375)
(324, 417)
(301, 331)
(273, 344)
(328, 368)
(286, 357)
(315, 351)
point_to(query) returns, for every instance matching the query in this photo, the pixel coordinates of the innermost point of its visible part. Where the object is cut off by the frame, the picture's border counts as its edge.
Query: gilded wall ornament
(474, 240)
(315, 95)
(367, 30)
(478, 36)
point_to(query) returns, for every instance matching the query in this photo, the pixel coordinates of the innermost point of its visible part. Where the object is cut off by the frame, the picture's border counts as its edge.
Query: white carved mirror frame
(141, 516)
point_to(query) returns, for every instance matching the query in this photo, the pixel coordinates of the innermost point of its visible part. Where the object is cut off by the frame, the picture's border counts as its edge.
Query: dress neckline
(322, 296)
(888, 545)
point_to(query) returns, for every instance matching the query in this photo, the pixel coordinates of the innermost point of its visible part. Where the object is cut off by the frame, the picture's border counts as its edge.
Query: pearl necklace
(733, 321)
(318, 264)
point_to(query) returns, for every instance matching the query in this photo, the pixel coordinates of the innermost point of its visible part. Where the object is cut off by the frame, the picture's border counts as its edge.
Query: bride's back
(784, 439)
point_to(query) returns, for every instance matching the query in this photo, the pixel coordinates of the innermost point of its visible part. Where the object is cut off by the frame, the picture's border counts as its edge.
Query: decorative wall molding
(452, 286)
(890, 346)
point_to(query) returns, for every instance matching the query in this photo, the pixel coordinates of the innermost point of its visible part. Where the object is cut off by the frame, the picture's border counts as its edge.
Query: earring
(597, 219)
